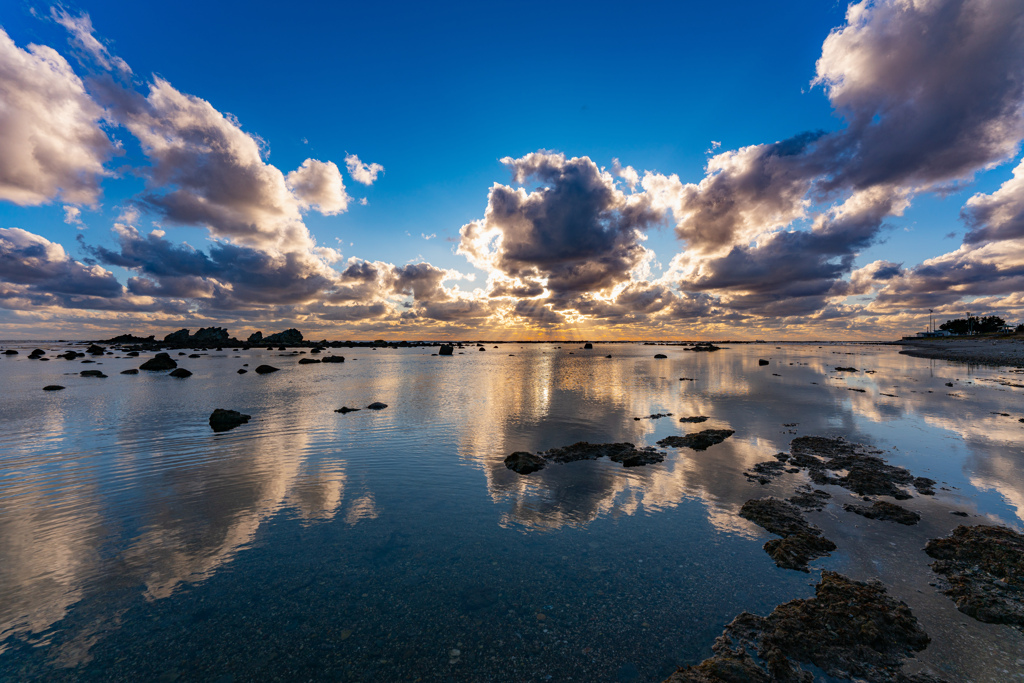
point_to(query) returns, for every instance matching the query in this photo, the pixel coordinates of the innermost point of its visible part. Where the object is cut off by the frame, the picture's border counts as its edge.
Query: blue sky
(438, 95)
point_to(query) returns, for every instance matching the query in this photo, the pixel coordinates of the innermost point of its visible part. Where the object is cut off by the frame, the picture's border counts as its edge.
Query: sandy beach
(989, 351)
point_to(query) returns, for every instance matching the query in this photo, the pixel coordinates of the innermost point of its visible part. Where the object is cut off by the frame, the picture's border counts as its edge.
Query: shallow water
(137, 544)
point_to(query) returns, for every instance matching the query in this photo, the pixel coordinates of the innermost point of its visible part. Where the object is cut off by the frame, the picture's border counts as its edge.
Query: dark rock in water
(704, 346)
(222, 420)
(866, 473)
(522, 462)
(241, 371)
(887, 512)
(698, 441)
(985, 569)
(159, 362)
(377, 405)
(959, 513)
(694, 418)
(445, 350)
(660, 355)
(481, 349)
(625, 453)
(179, 337)
(180, 373)
(12, 352)
(266, 369)
(762, 361)
(130, 339)
(810, 499)
(307, 361)
(849, 629)
(36, 353)
(842, 369)
(130, 371)
(96, 350)
(608, 356)
(52, 387)
(333, 359)
(132, 354)
(193, 355)
(289, 336)
(345, 409)
(69, 355)
(588, 345)
(92, 373)
(801, 541)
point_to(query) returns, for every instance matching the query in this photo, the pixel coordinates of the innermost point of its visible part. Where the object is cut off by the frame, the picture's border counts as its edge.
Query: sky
(597, 171)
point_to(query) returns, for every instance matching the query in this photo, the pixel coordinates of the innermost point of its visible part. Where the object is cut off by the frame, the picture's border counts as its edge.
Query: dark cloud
(45, 268)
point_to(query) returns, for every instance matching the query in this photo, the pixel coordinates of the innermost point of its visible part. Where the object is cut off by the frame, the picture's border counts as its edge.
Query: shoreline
(1004, 351)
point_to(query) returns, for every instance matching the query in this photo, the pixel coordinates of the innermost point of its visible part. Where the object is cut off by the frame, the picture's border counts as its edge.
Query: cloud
(81, 31)
(997, 216)
(360, 172)
(576, 233)
(43, 266)
(50, 133)
(73, 216)
(318, 184)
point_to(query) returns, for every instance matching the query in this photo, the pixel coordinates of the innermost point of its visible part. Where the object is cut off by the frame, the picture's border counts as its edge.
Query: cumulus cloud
(50, 129)
(73, 216)
(997, 216)
(43, 266)
(318, 184)
(361, 172)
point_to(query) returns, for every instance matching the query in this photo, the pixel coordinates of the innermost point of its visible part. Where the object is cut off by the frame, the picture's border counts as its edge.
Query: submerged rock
(307, 361)
(810, 499)
(985, 569)
(345, 409)
(52, 387)
(849, 630)
(266, 369)
(866, 473)
(624, 453)
(180, 373)
(801, 541)
(694, 418)
(377, 405)
(92, 373)
(159, 362)
(698, 441)
(887, 512)
(522, 462)
(130, 371)
(222, 420)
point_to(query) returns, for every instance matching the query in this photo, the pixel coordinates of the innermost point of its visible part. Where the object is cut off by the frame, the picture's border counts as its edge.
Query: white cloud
(81, 31)
(361, 172)
(318, 184)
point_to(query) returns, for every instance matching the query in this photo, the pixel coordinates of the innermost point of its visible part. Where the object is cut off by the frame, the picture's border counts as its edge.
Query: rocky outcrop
(588, 345)
(180, 373)
(222, 420)
(288, 337)
(96, 350)
(801, 541)
(886, 512)
(698, 441)
(866, 473)
(255, 338)
(984, 566)
(849, 630)
(445, 350)
(522, 462)
(179, 338)
(159, 363)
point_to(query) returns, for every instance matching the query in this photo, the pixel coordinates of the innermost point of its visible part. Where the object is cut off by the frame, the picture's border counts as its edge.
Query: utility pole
(931, 322)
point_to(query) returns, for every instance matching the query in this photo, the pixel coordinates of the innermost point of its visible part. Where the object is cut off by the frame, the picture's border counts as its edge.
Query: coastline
(1005, 351)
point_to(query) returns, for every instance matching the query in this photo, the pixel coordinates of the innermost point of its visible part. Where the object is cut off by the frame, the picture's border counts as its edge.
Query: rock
(211, 336)
(130, 371)
(95, 350)
(887, 512)
(866, 473)
(345, 409)
(481, 349)
(801, 541)
(159, 362)
(698, 441)
(445, 350)
(704, 346)
(193, 355)
(841, 369)
(255, 338)
(241, 371)
(625, 453)
(810, 499)
(222, 420)
(52, 387)
(12, 352)
(266, 369)
(177, 338)
(180, 373)
(67, 355)
(694, 418)
(660, 355)
(762, 361)
(333, 359)
(849, 630)
(307, 361)
(522, 462)
(36, 353)
(289, 337)
(92, 373)
(588, 345)
(377, 405)
(985, 569)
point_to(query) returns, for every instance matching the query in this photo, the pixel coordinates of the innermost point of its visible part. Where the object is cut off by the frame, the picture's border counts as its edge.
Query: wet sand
(994, 351)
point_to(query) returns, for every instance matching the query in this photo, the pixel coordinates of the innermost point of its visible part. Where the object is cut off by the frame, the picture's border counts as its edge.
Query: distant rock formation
(289, 336)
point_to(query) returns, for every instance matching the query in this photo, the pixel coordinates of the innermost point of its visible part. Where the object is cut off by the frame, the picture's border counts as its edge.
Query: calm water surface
(136, 544)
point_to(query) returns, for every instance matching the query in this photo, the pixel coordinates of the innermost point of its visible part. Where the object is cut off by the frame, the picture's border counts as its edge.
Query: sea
(138, 544)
